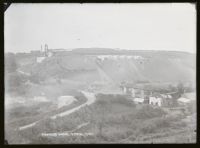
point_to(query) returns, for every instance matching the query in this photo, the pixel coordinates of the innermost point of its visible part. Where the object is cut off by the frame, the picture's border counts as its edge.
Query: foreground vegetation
(116, 119)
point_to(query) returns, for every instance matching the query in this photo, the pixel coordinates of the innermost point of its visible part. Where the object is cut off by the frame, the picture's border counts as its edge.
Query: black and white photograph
(100, 73)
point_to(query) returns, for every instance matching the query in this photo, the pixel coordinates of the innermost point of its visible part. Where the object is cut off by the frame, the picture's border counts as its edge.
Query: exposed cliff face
(157, 68)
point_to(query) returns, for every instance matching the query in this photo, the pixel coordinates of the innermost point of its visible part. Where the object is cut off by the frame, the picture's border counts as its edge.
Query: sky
(153, 26)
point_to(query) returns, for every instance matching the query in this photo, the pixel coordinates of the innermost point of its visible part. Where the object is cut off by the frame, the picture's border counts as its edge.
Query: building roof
(191, 96)
(139, 100)
(184, 100)
(166, 96)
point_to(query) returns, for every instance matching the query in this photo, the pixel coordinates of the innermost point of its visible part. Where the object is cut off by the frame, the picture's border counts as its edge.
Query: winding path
(22, 72)
(90, 99)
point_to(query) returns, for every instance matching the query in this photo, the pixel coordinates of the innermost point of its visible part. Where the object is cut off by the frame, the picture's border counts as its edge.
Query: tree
(10, 63)
(14, 80)
(180, 88)
(101, 110)
(15, 83)
(171, 88)
(35, 78)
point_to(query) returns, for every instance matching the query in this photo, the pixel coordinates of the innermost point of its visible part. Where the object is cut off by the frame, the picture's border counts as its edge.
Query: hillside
(33, 91)
(105, 69)
(88, 65)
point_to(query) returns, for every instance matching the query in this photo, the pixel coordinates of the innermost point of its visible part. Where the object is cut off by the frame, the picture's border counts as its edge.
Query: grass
(114, 119)
(24, 115)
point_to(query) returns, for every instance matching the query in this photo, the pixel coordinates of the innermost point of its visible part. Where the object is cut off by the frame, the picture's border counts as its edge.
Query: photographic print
(122, 73)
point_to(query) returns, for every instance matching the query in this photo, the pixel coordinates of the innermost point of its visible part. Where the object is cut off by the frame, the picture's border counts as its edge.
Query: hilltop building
(44, 54)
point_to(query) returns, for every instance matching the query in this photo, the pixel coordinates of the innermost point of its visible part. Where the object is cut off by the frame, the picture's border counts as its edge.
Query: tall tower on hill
(46, 49)
(41, 48)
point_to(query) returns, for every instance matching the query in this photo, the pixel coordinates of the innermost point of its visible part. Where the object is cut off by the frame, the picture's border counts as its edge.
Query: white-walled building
(155, 101)
(138, 100)
(183, 100)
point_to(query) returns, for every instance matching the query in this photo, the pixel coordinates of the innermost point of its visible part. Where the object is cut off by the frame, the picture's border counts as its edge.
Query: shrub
(14, 84)
(10, 63)
(115, 134)
(191, 108)
(152, 125)
(118, 99)
(41, 140)
(175, 116)
(35, 78)
(148, 111)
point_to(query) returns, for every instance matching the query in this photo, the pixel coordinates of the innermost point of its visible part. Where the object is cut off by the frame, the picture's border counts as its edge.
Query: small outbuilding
(138, 100)
(183, 101)
(65, 101)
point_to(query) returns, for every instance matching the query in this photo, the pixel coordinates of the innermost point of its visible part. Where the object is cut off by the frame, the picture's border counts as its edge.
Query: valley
(108, 97)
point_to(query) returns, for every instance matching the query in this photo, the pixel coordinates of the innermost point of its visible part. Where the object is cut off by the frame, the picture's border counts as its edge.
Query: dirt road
(90, 99)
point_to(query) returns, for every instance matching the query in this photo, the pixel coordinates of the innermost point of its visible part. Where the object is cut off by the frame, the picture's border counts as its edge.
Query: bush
(148, 111)
(15, 84)
(118, 99)
(35, 78)
(191, 108)
(10, 63)
(150, 126)
(114, 134)
(42, 140)
(175, 116)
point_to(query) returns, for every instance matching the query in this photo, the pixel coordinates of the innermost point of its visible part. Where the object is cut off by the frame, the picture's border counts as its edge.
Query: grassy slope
(118, 120)
(157, 66)
(23, 115)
